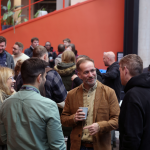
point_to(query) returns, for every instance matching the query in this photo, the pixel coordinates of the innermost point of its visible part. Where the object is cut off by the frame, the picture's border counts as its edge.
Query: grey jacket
(10, 61)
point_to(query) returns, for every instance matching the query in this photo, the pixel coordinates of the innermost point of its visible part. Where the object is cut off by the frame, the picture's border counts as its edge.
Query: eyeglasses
(12, 78)
(87, 72)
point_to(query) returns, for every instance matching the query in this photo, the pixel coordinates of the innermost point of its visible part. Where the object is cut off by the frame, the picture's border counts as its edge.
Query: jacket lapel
(98, 97)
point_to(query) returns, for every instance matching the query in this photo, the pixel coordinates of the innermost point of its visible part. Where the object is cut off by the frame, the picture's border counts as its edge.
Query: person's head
(17, 48)
(34, 42)
(130, 65)
(87, 72)
(72, 48)
(33, 72)
(61, 48)
(18, 66)
(2, 44)
(82, 57)
(41, 52)
(48, 45)
(68, 57)
(6, 80)
(67, 41)
(108, 58)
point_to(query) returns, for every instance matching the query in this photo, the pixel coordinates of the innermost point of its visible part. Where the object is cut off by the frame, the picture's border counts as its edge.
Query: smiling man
(103, 111)
(6, 59)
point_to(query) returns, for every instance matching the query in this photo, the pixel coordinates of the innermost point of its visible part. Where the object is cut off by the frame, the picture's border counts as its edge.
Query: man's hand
(73, 77)
(79, 115)
(93, 129)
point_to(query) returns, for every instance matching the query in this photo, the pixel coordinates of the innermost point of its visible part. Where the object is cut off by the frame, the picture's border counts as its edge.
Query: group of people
(45, 102)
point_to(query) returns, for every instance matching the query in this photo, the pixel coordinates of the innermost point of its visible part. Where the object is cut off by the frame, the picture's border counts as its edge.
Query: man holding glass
(92, 132)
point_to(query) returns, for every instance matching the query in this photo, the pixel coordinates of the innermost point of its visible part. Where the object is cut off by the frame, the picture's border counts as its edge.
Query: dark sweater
(134, 119)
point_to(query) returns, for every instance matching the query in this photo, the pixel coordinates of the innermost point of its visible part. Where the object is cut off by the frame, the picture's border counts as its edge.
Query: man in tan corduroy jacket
(103, 111)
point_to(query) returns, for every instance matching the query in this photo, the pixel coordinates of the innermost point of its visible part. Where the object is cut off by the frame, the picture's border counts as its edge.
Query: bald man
(112, 79)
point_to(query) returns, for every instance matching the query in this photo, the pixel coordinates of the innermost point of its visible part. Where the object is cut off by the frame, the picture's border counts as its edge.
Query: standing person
(6, 90)
(67, 68)
(6, 59)
(17, 52)
(61, 49)
(72, 48)
(66, 42)
(35, 124)
(112, 79)
(34, 44)
(134, 116)
(103, 111)
(147, 69)
(51, 54)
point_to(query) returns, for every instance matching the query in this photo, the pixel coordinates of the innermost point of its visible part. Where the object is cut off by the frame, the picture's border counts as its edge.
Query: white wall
(76, 1)
(144, 32)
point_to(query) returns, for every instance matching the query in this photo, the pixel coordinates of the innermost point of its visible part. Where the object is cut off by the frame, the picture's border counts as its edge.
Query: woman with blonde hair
(6, 89)
(6, 83)
(67, 68)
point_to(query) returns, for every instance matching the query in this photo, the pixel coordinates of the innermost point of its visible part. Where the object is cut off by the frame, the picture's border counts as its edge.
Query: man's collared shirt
(88, 101)
(30, 121)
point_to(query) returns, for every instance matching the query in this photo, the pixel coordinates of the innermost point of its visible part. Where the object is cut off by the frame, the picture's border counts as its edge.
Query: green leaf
(8, 5)
(18, 6)
(5, 16)
(43, 9)
(10, 13)
(13, 8)
(4, 7)
(25, 20)
(19, 13)
(37, 13)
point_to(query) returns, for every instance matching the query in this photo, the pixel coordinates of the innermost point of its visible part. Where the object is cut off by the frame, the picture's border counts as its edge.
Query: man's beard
(93, 83)
(42, 89)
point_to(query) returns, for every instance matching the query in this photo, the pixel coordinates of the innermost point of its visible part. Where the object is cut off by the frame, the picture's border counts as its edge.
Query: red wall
(95, 26)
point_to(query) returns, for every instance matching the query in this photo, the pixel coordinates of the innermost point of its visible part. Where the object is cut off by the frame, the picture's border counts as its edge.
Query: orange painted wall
(94, 26)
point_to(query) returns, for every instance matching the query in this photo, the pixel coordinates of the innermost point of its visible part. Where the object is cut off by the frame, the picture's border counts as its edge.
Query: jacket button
(79, 135)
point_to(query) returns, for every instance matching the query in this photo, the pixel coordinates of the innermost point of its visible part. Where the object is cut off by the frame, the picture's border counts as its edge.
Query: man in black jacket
(34, 44)
(6, 59)
(134, 119)
(112, 76)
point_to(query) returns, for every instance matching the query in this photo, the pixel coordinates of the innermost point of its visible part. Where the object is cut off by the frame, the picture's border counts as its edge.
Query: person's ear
(39, 78)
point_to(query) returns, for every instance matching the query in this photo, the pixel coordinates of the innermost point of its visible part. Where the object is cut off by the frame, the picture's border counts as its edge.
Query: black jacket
(134, 119)
(29, 51)
(112, 78)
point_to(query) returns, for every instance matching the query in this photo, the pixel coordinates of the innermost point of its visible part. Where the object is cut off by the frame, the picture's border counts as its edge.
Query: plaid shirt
(54, 87)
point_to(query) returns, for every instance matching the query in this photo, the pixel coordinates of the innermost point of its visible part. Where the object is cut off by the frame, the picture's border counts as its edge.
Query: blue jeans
(86, 148)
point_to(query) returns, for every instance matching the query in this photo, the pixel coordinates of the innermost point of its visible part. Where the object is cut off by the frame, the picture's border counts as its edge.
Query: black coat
(134, 119)
(112, 78)
(29, 51)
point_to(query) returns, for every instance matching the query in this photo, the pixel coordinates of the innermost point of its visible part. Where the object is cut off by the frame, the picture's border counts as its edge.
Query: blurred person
(134, 116)
(6, 60)
(35, 124)
(103, 111)
(67, 68)
(6, 90)
(112, 79)
(66, 41)
(17, 52)
(34, 44)
(147, 69)
(51, 54)
(18, 77)
(61, 49)
(72, 48)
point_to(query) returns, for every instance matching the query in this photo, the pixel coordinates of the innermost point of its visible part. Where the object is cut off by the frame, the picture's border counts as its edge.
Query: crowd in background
(40, 82)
